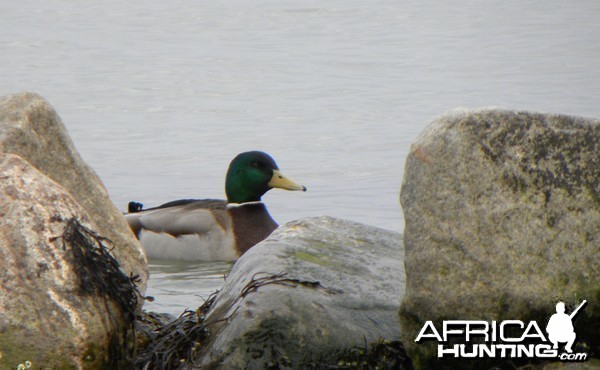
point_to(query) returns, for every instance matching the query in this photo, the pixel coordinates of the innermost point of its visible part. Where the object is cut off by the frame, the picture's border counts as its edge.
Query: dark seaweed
(176, 344)
(99, 272)
(100, 275)
(281, 279)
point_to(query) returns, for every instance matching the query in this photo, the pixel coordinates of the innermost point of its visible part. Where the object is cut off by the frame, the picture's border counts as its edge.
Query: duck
(214, 229)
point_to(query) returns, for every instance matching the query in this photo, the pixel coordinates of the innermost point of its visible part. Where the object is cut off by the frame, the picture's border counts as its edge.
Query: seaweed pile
(100, 276)
(176, 343)
(98, 270)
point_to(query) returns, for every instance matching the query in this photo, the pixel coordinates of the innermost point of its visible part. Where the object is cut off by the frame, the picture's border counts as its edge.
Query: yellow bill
(281, 182)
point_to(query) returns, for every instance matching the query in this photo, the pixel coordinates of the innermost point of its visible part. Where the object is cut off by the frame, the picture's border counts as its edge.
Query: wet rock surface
(502, 214)
(64, 303)
(31, 129)
(306, 295)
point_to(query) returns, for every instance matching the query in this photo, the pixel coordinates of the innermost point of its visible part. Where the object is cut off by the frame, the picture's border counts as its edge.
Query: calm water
(177, 285)
(160, 95)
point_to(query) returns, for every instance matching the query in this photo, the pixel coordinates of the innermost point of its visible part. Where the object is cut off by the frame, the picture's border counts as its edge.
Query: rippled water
(160, 95)
(178, 285)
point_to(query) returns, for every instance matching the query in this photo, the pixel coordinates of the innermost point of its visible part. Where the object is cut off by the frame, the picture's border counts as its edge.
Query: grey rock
(314, 288)
(52, 312)
(31, 128)
(591, 364)
(502, 214)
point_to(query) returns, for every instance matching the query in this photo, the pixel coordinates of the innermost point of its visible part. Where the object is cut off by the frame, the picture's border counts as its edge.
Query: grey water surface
(160, 95)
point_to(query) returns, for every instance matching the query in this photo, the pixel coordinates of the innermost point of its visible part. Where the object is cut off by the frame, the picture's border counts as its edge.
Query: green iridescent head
(251, 175)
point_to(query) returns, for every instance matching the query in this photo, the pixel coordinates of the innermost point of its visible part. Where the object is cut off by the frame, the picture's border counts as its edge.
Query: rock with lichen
(31, 128)
(305, 296)
(502, 214)
(64, 303)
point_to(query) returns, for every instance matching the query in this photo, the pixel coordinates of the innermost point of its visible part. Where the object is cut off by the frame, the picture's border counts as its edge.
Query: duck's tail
(134, 207)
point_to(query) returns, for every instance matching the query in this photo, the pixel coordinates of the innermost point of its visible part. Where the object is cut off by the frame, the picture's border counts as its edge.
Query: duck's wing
(199, 230)
(181, 217)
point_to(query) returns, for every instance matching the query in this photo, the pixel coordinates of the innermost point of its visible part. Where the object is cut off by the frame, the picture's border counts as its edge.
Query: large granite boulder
(312, 290)
(64, 303)
(502, 214)
(30, 128)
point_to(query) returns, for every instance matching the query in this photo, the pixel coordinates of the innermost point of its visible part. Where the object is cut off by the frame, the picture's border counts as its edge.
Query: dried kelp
(100, 276)
(176, 344)
(98, 270)
(280, 279)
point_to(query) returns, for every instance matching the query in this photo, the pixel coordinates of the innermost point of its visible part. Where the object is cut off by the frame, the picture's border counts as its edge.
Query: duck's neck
(252, 223)
(244, 204)
(241, 198)
(239, 191)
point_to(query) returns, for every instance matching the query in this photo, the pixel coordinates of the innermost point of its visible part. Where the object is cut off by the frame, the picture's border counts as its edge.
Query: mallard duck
(213, 229)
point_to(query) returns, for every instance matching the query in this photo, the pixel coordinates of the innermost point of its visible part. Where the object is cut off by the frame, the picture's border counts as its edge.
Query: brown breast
(252, 223)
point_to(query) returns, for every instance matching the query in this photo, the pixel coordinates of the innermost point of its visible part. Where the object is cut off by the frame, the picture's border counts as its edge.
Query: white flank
(211, 246)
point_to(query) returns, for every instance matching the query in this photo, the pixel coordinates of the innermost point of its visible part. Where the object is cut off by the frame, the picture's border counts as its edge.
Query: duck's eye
(256, 165)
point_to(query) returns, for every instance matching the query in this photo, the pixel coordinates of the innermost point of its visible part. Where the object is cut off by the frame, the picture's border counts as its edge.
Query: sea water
(159, 96)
